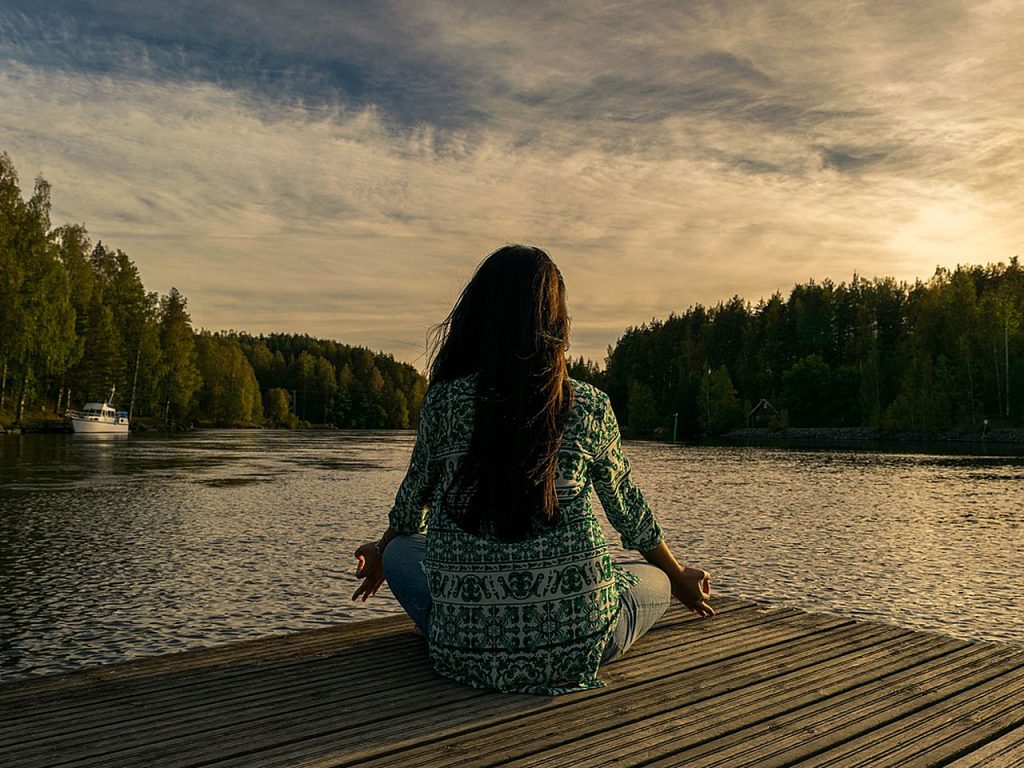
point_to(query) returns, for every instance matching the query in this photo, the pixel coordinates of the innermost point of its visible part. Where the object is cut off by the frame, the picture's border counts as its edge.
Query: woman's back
(531, 615)
(513, 584)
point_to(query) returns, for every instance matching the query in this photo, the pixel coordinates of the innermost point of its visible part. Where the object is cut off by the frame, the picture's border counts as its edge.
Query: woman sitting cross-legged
(493, 547)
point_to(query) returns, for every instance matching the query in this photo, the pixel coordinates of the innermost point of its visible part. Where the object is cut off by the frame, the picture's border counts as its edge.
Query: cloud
(846, 159)
(341, 170)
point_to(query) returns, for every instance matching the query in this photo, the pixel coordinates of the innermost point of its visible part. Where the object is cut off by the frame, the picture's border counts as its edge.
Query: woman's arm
(629, 513)
(690, 586)
(409, 512)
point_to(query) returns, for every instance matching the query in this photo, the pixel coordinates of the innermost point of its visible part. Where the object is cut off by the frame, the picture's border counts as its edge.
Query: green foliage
(278, 409)
(942, 353)
(643, 412)
(335, 384)
(37, 320)
(181, 378)
(722, 408)
(229, 393)
(806, 390)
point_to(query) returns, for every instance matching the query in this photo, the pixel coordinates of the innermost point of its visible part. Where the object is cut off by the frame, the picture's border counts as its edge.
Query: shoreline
(1005, 436)
(58, 428)
(1008, 436)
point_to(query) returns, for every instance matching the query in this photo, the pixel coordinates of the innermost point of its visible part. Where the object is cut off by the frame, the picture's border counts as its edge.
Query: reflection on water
(117, 548)
(931, 542)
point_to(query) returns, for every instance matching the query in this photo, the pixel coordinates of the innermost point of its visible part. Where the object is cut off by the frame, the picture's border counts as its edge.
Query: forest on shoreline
(77, 322)
(939, 354)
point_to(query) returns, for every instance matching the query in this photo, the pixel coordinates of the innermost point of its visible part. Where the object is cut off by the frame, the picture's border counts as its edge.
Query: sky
(340, 168)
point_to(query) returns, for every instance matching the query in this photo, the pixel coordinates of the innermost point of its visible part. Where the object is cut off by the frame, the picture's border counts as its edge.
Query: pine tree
(181, 377)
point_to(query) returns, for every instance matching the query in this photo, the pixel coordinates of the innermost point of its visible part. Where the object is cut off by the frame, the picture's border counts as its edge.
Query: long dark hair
(510, 326)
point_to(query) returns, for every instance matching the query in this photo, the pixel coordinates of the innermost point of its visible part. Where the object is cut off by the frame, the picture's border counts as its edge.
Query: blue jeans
(642, 605)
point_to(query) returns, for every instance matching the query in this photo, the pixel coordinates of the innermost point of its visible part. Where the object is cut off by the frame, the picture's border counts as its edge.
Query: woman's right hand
(370, 568)
(692, 588)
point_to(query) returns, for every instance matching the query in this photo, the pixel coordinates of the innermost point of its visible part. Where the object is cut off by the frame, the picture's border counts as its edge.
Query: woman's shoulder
(588, 396)
(438, 390)
(442, 395)
(587, 400)
(588, 418)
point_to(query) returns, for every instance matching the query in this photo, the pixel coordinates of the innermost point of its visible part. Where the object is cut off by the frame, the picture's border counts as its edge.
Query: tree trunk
(999, 385)
(970, 384)
(23, 391)
(3, 385)
(135, 381)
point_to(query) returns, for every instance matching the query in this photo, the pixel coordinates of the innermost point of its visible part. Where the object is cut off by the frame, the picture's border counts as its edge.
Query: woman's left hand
(370, 569)
(692, 587)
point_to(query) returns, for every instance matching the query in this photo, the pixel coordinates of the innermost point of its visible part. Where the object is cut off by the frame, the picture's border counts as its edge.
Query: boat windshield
(98, 409)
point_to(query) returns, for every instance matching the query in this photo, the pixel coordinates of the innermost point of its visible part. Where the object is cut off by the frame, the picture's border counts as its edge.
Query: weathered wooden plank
(308, 644)
(166, 694)
(448, 727)
(446, 702)
(167, 690)
(978, 727)
(583, 735)
(807, 733)
(447, 719)
(796, 733)
(703, 717)
(217, 689)
(765, 687)
(134, 681)
(925, 733)
(1004, 751)
(233, 705)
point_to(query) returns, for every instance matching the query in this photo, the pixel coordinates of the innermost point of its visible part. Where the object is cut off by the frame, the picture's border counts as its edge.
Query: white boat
(99, 418)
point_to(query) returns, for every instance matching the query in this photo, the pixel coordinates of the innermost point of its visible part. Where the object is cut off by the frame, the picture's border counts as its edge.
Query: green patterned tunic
(531, 616)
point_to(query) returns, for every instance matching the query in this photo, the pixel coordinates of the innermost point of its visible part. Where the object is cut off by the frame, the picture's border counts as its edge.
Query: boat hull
(97, 427)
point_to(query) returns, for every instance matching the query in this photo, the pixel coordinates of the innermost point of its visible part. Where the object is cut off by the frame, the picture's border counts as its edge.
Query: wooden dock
(755, 686)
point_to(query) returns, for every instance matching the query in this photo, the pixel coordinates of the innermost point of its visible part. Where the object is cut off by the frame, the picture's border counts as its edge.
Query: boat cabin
(103, 412)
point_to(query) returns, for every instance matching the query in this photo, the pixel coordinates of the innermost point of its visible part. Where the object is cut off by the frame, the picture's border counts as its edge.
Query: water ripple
(115, 550)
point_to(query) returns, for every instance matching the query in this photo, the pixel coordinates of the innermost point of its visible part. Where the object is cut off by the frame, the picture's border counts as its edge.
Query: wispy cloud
(340, 170)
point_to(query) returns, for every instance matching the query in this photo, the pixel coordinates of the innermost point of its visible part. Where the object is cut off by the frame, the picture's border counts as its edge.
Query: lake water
(115, 548)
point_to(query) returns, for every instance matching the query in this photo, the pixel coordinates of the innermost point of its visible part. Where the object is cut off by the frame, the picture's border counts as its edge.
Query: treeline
(76, 322)
(324, 382)
(944, 353)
